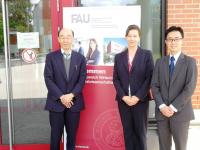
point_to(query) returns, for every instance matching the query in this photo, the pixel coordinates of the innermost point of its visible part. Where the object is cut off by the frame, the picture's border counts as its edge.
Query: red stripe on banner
(55, 24)
(56, 18)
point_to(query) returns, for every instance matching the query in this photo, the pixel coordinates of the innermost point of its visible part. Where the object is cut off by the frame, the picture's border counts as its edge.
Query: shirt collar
(62, 51)
(66, 55)
(176, 56)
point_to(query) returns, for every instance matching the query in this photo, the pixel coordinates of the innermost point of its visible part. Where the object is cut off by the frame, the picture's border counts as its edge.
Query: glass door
(4, 132)
(30, 36)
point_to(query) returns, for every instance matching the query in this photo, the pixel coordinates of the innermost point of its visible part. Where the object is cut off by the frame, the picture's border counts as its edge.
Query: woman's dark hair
(90, 49)
(133, 27)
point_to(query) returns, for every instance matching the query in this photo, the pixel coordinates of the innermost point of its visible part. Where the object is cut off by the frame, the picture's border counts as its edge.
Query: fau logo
(80, 18)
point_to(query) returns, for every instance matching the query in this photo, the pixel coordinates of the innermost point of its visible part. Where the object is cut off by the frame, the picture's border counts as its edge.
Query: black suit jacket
(58, 84)
(139, 77)
(94, 58)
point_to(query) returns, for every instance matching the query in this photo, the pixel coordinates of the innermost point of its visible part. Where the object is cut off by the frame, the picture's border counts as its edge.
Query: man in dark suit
(80, 48)
(65, 74)
(133, 69)
(173, 83)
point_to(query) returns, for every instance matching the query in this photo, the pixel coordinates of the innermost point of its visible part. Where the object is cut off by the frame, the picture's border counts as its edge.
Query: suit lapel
(166, 70)
(72, 64)
(93, 56)
(125, 59)
(134, 62)
(59, 58)
(136, 59)
(177, 67)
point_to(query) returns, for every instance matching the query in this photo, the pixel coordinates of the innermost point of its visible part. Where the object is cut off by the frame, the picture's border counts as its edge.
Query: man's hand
(167, 111)
(67, 100)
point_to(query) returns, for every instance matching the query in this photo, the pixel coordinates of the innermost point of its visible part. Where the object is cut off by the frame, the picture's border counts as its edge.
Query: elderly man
(65, 74)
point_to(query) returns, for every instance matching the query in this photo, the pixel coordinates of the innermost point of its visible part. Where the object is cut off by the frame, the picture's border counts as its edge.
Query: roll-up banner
(102, 29)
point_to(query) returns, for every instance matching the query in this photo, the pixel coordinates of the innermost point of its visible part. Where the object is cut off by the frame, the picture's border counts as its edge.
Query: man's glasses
(174, 40)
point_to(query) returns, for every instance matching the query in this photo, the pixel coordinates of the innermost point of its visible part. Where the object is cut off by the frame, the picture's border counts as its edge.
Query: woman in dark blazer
(132, 74)
(93, 54)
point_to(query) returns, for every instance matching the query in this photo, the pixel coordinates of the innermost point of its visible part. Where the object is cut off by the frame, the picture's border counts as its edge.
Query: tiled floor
(193, 139)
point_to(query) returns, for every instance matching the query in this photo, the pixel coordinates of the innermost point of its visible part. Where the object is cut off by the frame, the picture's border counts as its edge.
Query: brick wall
(186, 13)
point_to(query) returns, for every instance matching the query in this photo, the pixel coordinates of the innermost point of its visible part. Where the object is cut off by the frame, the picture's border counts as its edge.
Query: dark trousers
(134, 122)
(176, 129)
(57, 122)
